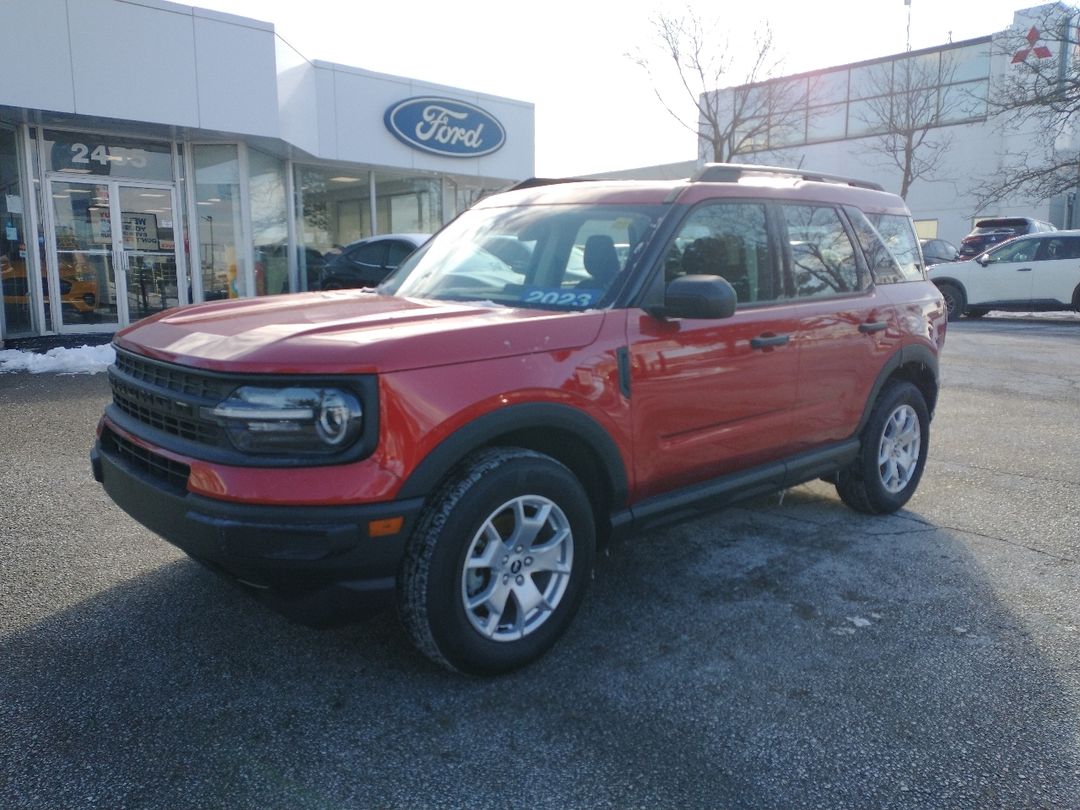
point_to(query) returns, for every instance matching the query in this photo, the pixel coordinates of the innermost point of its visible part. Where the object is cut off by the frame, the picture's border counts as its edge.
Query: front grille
(168, 398)
(173, 378)
(172, 473)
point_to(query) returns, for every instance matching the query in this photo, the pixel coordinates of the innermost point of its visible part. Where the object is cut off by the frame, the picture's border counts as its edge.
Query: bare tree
(1039, 95)
(730, 121)
(904, 111)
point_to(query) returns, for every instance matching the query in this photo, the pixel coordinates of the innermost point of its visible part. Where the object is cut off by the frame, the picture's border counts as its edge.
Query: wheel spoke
(493, 599)
(527, 528)
(490, 555)
(529, 598)
(550, 556)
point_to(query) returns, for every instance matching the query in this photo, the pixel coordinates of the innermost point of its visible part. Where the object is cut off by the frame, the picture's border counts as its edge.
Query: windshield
(566, 257)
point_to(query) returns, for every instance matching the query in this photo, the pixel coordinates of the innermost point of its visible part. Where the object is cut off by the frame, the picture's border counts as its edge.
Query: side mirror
(983, 259)
(697, 297)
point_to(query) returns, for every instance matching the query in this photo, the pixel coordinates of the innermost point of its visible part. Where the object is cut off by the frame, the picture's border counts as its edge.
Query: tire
(892, 453)
(975, 312)
(955, 301)
(470, 601)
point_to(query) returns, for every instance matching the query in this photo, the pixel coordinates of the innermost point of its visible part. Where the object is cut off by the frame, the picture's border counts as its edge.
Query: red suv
(562, 364)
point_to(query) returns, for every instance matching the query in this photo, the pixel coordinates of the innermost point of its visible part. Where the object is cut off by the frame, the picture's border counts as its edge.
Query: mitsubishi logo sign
(1040, 51)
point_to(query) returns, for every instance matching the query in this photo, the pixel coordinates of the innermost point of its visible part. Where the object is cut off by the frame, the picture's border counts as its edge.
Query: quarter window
(1059, 247)
(822, 256)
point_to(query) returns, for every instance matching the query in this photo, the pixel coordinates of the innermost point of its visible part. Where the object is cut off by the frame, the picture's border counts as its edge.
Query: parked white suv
(1035, 273)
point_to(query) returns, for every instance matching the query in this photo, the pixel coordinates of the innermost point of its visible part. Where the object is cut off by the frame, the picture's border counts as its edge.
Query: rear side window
(727, 239)
(898, 234)
(1059, 247)
(823, 259)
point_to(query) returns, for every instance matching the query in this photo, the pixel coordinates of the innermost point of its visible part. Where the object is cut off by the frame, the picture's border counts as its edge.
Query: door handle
(1023, 269)
(873, 326)
(768, 341)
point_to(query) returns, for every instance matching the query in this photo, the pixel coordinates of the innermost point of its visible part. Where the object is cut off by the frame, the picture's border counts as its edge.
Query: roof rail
(533, 182)
(733, 172)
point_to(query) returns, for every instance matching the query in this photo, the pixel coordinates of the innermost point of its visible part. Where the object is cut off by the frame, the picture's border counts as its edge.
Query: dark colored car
(989, 232)
(938, 251)
(561, 365)
(367, 262)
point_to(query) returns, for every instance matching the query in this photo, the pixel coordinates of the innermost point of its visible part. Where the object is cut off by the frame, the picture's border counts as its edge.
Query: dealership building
(833, 122)
(838, 116)
(153, 154)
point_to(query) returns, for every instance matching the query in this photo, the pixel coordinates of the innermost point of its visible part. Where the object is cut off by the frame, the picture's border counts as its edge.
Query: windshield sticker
(572, 299)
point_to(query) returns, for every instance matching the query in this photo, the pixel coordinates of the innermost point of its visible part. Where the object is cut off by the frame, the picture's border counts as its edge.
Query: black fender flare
(911, 355)
(518, 419)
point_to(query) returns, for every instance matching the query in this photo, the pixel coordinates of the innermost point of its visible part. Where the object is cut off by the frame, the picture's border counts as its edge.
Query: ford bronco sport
(562, 364)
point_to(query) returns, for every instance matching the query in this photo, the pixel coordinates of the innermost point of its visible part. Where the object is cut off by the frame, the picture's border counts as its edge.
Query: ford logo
(443, 126)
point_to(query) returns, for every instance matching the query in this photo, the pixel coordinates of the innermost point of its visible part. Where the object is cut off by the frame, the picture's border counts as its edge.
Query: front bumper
(295, 551)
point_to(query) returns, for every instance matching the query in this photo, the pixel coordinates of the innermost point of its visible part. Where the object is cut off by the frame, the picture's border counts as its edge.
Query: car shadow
(770, 655)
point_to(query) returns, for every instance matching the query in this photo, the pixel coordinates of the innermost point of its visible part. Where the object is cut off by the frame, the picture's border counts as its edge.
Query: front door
(109, 276)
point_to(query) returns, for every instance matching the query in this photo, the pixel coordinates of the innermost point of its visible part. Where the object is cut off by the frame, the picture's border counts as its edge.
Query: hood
(350, 332)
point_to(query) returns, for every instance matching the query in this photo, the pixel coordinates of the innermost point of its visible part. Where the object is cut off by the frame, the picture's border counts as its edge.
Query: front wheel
(498, 563)
(892, 452)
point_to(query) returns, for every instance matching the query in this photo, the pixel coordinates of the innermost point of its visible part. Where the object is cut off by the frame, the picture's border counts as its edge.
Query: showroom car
(366, 262)
(936, 251)
(1038, 273)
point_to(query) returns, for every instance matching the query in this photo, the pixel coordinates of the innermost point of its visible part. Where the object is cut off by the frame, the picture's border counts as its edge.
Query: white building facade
(153, 154)
(839, 118)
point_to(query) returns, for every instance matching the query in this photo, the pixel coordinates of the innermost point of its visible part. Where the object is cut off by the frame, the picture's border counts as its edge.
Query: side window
(899, 236)
(729, 240)
(882, 262)
(822, 257)
(1018, 250)
(397, 253)
(370, 255)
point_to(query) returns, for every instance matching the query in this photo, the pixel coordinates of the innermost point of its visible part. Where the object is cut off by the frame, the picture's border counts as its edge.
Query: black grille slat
(164, 469)
(169, 398)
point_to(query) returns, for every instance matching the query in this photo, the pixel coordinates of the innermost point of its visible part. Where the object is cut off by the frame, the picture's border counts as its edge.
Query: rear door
(712, 397)
(846, 330)
(1056, 272)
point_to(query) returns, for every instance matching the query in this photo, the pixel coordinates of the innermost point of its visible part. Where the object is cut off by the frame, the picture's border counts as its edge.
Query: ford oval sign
(444, 126)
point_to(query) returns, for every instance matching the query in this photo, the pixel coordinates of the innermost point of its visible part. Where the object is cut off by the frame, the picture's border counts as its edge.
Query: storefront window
(269, 223)
(219, 229)
(14, 273)
(407, 204)
(334, 209)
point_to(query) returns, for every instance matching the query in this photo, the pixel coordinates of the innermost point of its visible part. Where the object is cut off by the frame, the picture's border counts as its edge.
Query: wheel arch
(953, 281)
(564, 433)
(915, 364)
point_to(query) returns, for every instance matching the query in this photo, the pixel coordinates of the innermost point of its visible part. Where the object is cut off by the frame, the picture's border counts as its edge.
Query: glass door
(82, 228)
(147, 250)
(111, 276)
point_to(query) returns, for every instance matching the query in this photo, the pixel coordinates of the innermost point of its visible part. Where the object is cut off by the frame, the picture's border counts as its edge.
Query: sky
(596, 110)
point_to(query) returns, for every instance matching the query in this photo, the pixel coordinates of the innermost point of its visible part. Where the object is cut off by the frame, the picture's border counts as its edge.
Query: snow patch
(83, 360)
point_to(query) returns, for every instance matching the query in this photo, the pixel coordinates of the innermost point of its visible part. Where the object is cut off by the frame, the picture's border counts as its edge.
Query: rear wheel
(954, 300)
(498, 563)
(892, 453)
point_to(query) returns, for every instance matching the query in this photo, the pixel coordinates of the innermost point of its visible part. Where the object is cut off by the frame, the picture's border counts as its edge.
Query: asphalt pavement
(785, 653)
